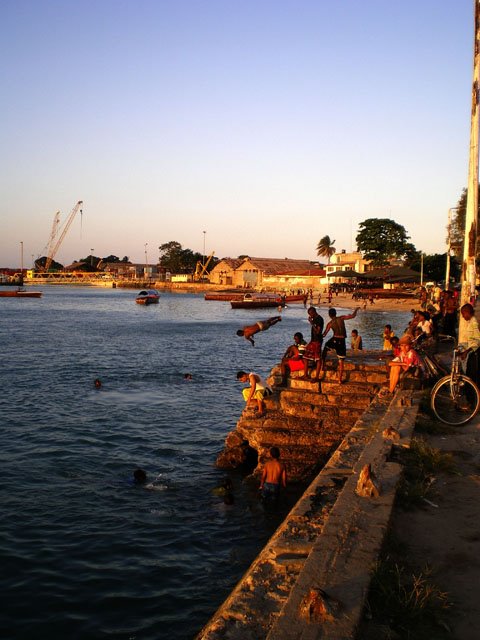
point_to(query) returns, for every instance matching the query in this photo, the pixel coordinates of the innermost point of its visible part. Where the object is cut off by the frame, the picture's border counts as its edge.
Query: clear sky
(266, 123)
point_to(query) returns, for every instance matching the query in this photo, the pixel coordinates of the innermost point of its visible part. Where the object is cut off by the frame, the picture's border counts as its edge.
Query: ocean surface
(85, 553)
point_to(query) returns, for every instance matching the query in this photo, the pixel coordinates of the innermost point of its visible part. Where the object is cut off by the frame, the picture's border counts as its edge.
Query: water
(85, 553)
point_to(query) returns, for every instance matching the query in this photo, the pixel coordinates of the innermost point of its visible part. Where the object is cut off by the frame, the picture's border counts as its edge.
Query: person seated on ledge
(356, 342)
(293, 357)
(256, 391)
(262, 325)
(274, 475)
(407, 361)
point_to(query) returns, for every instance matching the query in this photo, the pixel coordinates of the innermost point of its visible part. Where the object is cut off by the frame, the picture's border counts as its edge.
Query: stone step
(297, 453)
(323, 411)
(334, 395)
(316, 439)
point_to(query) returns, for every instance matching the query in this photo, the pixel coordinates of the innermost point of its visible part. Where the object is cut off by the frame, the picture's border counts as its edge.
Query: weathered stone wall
(311, 579)
(307, 419)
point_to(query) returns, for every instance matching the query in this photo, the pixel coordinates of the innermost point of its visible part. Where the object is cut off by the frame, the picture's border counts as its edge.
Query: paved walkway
(446, 535)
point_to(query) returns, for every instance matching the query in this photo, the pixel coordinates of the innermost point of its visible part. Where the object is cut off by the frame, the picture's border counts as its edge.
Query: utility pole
(470, 240)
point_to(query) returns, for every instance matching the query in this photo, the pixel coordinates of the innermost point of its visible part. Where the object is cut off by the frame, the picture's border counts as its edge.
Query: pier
(312, 577)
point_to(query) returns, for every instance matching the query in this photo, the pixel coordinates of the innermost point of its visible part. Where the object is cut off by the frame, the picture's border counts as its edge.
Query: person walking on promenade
(256, 392)
(338, 341)
(274, 476)
(262, 325)
(313, 349)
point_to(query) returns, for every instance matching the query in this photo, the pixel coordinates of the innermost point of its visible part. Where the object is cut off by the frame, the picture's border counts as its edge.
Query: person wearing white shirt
(469, 355)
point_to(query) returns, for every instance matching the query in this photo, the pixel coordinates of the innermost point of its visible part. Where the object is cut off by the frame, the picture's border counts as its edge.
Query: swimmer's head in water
(97, 383)
(139, 476)
(187, 376)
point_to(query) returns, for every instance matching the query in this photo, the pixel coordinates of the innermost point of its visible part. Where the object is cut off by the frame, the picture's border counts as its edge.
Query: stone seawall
(307, 419)
(311, 578)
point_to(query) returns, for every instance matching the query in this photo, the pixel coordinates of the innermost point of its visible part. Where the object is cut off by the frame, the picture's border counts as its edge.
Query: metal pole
(21, 257)
(203, 260)
(421, 269)
(146, 260)
(91, 257)
(470, 241)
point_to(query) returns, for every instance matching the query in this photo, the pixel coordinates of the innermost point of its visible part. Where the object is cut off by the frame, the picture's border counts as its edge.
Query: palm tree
(325, 247)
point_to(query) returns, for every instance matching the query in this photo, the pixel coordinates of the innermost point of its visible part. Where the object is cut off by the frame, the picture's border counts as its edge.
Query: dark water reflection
(84, 552)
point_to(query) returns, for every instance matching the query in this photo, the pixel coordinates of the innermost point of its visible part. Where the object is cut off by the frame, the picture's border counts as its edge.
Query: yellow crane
(53, 244)
(201, 268)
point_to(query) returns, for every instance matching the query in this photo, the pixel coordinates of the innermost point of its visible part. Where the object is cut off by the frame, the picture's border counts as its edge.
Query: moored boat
(258, 301)
(20, 293)
(147, 296)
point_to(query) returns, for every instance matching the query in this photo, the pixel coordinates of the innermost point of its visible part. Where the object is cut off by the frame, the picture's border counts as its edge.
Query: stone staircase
(307, 419)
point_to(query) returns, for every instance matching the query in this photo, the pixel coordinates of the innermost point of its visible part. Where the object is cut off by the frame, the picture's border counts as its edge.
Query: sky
(241, 127)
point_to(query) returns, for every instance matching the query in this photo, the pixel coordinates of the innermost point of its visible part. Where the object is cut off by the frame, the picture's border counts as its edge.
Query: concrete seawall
(312, 577)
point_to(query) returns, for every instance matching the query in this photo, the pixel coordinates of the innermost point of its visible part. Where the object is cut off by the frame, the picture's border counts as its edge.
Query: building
(344, 261)
(267, 273)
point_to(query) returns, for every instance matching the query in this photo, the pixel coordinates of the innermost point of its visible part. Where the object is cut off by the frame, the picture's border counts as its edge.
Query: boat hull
(20, 294)
(256, 304)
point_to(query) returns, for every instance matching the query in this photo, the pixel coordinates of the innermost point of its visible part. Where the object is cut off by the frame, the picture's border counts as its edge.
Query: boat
(258, 301)
(20, 293)
(225, 296)
(147, 296)
(229, 297)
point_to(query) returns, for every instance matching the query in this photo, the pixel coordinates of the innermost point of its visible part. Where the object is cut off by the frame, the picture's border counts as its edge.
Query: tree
(325, 247)
(177, 260)
(434, 266)
(381, 239)
(457, 226)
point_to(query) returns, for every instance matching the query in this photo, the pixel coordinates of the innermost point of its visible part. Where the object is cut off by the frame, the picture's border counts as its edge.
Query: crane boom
(53, 233)
(53, 251)
(201, 269)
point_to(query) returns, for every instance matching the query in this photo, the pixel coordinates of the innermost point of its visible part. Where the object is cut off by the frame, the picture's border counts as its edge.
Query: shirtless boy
(274, 475)
(262, 325)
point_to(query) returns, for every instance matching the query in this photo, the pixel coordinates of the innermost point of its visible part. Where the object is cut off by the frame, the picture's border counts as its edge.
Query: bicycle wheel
(455, 400)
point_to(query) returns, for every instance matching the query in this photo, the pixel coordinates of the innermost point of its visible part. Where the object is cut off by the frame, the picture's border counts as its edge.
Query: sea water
(84, 552)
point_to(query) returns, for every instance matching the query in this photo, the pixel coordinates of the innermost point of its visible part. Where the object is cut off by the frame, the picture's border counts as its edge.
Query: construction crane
(53, 244)
(201, 268)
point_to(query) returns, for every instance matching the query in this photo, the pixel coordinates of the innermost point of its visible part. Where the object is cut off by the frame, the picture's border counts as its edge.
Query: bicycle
(455, 398)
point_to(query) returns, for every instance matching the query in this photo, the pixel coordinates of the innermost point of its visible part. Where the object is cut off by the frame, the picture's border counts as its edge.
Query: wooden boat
(147, 296)
(258, 301)
(229, 297)
(224, 296)
(20, 293)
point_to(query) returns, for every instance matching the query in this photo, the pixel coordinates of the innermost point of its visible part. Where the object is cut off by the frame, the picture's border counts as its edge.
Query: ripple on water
(84, 552)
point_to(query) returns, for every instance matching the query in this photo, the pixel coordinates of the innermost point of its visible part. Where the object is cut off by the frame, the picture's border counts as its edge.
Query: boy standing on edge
(338, 342)
(274, 475)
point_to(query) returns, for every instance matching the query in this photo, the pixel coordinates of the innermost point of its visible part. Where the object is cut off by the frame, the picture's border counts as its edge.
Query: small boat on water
(20, 293)
(258, 301)
(235, 296)
(226, 296)
(147, 296)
